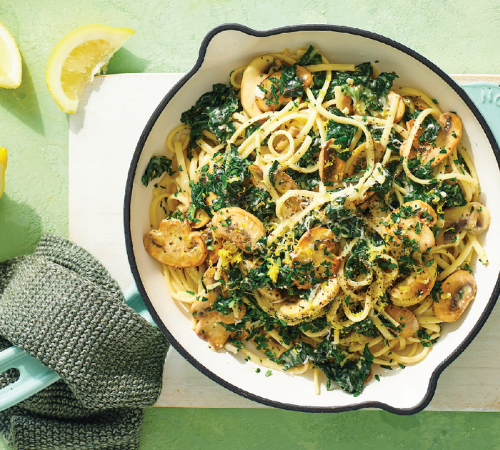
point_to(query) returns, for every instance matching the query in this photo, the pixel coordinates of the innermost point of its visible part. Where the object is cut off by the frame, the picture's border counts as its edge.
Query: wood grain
(102, 138)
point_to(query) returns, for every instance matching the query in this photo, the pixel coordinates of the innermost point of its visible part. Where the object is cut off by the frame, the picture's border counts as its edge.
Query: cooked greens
(157, 166)
(316, 229)
(212, 112)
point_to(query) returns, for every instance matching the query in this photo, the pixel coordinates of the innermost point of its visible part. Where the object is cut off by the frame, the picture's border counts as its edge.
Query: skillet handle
(33, 375)
(134, 300)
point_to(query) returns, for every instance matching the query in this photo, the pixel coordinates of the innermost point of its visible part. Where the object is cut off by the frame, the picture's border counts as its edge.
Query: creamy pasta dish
(314, 216)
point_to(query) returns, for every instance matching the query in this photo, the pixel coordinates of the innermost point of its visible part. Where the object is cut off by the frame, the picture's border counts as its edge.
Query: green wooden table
(460, 36)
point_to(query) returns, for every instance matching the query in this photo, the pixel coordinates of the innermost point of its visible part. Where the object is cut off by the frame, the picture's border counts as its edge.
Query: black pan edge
(128, 196)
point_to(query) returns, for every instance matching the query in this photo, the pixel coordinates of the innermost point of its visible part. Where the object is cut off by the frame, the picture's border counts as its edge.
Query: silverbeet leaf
(342, 135)
(157, 166)
(212, 112)
(349, 374)
(290, 84)
(311, 57)
(431, 127)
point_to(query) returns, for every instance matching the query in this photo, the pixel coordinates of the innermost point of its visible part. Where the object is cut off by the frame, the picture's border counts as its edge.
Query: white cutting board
(102, 137)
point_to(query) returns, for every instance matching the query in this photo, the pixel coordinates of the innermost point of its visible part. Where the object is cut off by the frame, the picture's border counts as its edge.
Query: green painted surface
(461, 36)
(207, 429)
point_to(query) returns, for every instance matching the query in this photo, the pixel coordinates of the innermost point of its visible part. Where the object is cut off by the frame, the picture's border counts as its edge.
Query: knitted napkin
(62, 306)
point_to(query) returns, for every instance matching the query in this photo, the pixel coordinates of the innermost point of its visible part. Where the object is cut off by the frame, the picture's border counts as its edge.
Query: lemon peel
(3, 167)
(11, 72)
(77, 57)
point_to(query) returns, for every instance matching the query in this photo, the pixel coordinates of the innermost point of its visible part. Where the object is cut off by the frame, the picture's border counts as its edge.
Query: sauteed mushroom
(422, 211)
(269, 88)
(257, 178)
(215, 244)
(416, 287)
(274, 295)
(174, 244)
(473, 217)
(282, 181)
(358, 157)
(446, 141)
(254, 74)
(239, 227)
(209, 322)
(457, 291)
(407, 320)
(308, 307)
(346, 102)
(316, 246)
(211, 197)
(411, 221)
(331, 167)
(201, 219)
(400, 112)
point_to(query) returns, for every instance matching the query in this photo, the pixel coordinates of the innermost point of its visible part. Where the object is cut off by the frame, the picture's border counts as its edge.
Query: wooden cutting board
(102, 138)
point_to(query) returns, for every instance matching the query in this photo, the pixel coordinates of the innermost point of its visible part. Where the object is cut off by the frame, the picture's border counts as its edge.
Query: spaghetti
(311, 216)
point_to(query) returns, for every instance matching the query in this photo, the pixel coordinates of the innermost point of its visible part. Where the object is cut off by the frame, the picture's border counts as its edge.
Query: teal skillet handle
(33, 375)
(134, 300)
(486, 96)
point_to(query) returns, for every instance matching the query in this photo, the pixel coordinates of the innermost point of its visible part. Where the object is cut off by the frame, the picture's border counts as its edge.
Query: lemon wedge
(11, 72)
(3, 167)
(77, 57)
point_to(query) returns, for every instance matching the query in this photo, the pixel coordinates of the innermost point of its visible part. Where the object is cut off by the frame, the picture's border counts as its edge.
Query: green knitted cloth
(62, 306)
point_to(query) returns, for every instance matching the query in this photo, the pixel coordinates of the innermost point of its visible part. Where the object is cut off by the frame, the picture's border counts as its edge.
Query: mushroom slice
(201, 218)
(416, 287)
(214, 244)
(239, 227)
(257, 178)
(294, 205)
(305, 76)
(268, 96)
(210, 199)
(419, 103)
(310, 307)
(412, 222)
(457, 291)
(331, 167)
(422, 211)
(406, 319)
(374, 209)
(410, 230)
(174, 244)
(284, 182)
(232, 318)
(473, 217)
(213, 293)
(379, 150)
(210, 329)
(346, 102)
(447, 139)
(208, 324)
(316, 248)
(355, 161)
(400, 111)
(252, 77)
(273, 295)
